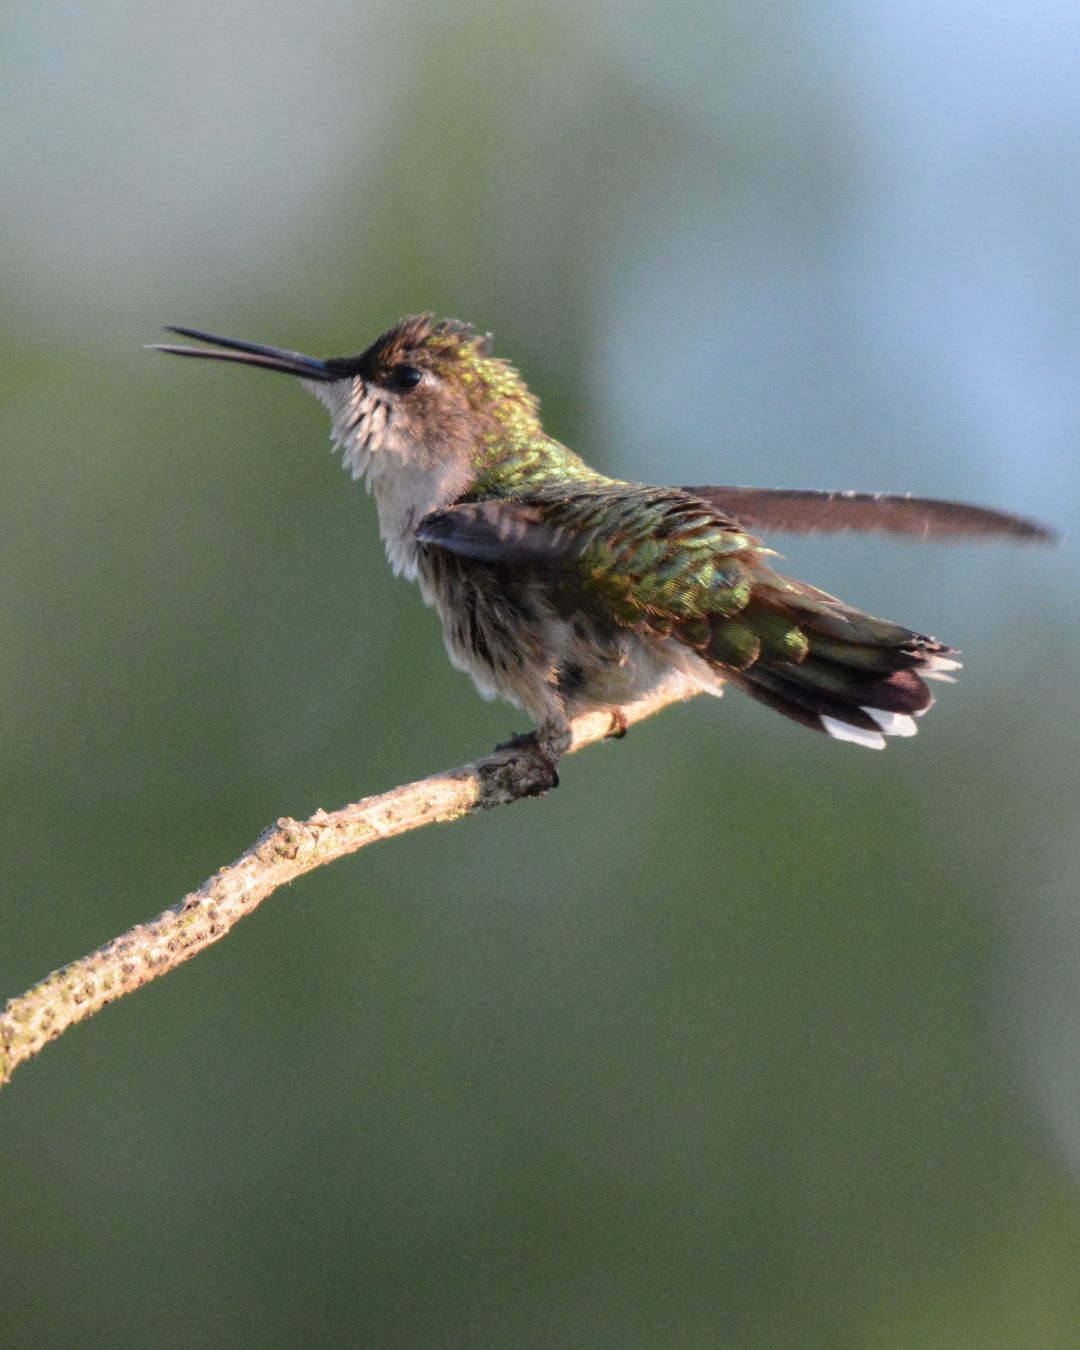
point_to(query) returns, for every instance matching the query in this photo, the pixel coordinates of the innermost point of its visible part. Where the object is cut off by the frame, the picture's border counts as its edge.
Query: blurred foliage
(742, 1037)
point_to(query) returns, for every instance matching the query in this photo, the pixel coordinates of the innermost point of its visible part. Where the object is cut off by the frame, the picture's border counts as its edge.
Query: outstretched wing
(804, 511)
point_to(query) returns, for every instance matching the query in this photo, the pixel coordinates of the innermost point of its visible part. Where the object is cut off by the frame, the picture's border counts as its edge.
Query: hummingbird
(563, 591)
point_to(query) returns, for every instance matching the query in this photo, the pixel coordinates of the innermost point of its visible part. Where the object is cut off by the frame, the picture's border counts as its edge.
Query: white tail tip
(939, 668)
(893, 723)
(843, 731)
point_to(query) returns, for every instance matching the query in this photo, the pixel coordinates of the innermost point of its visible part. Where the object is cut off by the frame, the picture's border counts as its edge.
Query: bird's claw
(530, 742)
(619, 725)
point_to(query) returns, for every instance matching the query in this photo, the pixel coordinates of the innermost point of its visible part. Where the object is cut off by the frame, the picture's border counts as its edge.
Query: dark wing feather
(804, 511)
(500, 532)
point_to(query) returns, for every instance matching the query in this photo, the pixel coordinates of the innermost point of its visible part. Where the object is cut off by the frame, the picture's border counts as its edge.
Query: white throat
(404, 478)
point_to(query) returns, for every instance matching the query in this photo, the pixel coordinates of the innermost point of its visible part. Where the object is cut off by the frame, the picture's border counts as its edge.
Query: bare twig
(286, 851)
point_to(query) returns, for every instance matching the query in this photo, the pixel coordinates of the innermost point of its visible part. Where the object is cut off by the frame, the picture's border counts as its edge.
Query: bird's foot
(521, 740)
(544, 753)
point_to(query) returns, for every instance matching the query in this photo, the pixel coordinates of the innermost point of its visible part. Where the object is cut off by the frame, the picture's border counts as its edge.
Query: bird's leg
(546, 749)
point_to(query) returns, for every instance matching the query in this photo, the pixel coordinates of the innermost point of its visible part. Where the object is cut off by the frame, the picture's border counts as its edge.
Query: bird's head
(427, 396)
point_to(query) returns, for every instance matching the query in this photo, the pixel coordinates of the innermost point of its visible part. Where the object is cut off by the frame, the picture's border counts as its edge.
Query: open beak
(247, 354)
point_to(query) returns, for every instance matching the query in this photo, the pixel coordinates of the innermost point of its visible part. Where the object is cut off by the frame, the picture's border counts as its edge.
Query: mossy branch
(283, 853)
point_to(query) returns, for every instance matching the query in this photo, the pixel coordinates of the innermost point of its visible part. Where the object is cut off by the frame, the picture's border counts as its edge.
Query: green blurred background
(743, 1037)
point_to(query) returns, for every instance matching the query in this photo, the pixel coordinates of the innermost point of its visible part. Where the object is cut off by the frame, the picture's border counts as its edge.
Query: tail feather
(860, 656)
(773, 686)
(855, 678)
(901, 692)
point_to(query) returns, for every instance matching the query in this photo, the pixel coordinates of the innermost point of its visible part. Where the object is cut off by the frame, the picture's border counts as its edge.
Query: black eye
(406, 377)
